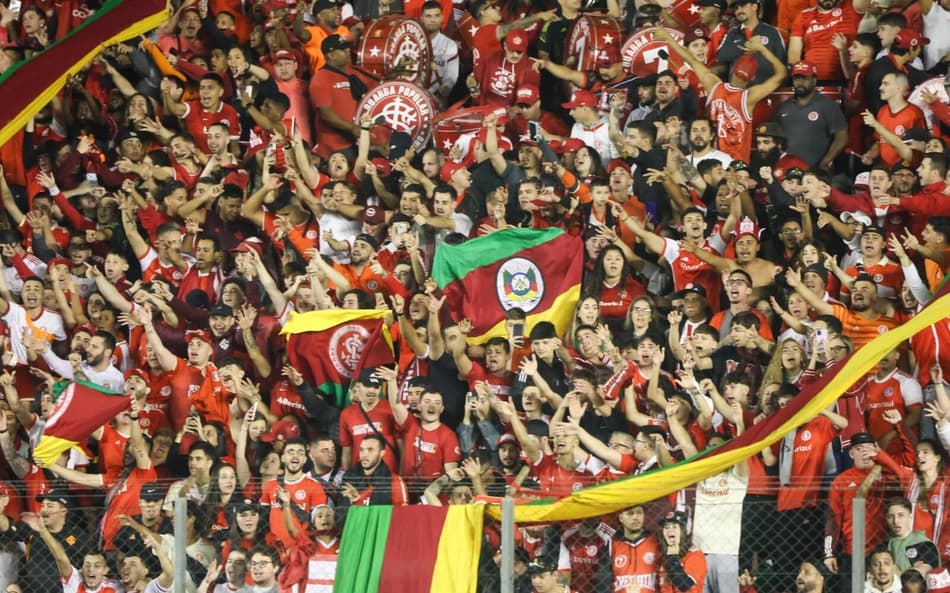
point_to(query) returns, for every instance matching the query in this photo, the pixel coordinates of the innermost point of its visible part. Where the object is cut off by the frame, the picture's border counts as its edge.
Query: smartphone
(15, 6)
(470, 397)
(249, 90)
(517, 331)
(293, 126)
(534, 130)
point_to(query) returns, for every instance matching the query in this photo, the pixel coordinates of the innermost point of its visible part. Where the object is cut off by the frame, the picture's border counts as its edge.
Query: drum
(591, 33)
(394, 47)
(935, 86)
(448, 127)
(685, 13)
(642, 55)
(765, 109)
(402, 107)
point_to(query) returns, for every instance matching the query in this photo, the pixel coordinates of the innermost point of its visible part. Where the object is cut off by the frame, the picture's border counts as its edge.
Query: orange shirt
(312, 47)
(861, 330)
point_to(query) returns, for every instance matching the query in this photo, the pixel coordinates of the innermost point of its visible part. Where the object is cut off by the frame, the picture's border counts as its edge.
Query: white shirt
(111, 378)
(936, 28)
(343, 229)
(597, 136)
(719, 155)
(18, 319)
(445, 54)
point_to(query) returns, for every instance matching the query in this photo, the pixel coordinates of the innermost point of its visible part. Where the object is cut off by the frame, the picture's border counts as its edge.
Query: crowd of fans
(165, 213)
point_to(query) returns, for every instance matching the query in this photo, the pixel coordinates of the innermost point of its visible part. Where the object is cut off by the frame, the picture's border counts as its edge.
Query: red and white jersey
(727, 107)
(580, 554)
(321, 569)
(152, 266)
(897, 391)
(47, 325)
(74, 584)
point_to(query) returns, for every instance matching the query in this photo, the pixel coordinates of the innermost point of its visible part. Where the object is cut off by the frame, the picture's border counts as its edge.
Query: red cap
(199, 334)
(249, 244)
(59, 260)
(283, 54)
(695, 33)
(804, 69)
(745, 67)
(572, 145)
(608, 56)
(449, 169)
(747, 227)
(281, 430)
(516, 40)
(527, 95)
(85, 327)
(137, 372)
(582, 98)
(526, 140)
(382, 165)
(374, 215)
(909, 39)
(618, 163)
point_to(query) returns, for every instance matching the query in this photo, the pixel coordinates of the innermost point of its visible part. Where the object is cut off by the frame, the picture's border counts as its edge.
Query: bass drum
(394, 47)
(449, 126)
(588, 36)
(935, 86)
(643, 55)
(402, 107)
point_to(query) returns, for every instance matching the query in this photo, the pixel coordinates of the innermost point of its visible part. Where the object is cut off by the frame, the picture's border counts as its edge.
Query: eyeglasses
(837, 348)
(792, 231)
(736, 282)
(261, 563)
(616, 445)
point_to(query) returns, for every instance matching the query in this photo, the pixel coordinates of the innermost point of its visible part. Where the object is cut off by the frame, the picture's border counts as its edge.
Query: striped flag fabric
(620, 494)
(410, 549)
(79, 408)
(31, 84)
(538, 271)
(331, 347)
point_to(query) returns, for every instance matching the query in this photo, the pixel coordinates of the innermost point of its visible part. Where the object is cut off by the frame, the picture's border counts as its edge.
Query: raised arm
(166, 359)
(705, 75)
(766, 88)
(794, 279)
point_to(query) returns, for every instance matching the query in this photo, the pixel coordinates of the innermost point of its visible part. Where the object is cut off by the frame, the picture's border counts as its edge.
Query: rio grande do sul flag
(410, 549)
(79, 408)
(331, 347)
(536, 270)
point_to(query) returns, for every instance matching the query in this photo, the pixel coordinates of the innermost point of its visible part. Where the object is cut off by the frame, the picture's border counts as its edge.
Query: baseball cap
(283, 54)
(572, 145)
(249, 244)
(819, 269)
(60, 261)
(537, 566)
(694, 33)
(399, 142)
(334, 42)
(804, 69)
(745, 67)
(383, 166)
(770, 128)
(862, 179)
(374, 215)
(618, 163)
(516, 40)
(909, 39)
(320, 5)
(221, 310)
(925, 552)
(792, 173)
(675, 517)
(857, 215)
(747, 227)
(480, 5)
(242, 505)
(136, 372)
(582, 98)
(916, 134)
(281, 430)
(694, 288)
(368, 377)
(543, 330)
(608, 56)
(199, 334)
(527, 95)
(741, 2)
(126, 134)
(506, 438)
(903, 166)
(862, 438)
(720, 4)
(368, 239)
(152, 492)
(58, 495)
(873, 228)
(448, 169)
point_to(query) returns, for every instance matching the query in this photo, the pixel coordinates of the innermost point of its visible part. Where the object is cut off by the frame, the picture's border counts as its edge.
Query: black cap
(478, 5)
(903, 166)
(543, 330)
(368, 239)
(398, 143)
(873, 228)
(152, 492)
(649, 430)
(221, 310)
(819, 565)
(651, 10)
(720, 4)
(794, 173)
(126, 134)
(741, 2)
(537, 566)
(818, 269)
(919, 134)
(738, 165)
(862, 438)
(648, 80)
(245, 504)
(334, 42)
(770, 128)
(320, 5)
(675, 517)
(692, 287)
(368, 377)
(56, 494)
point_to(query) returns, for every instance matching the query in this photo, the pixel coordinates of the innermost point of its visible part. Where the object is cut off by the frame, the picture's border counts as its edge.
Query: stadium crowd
(769, 200)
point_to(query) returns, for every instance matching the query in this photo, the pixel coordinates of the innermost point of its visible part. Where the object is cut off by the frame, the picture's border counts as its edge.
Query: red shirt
(111, 450)
(932, 346)
(485, 43)
(615, 300)
(727, 107)
(689, 269)
(330, 88)
(816, 28)
(694, 564)
(125, 501)
(499, 386)
(559, 481)
(499, 79)
(305, 494)
(635, 562)
(354, 428)
(425, 452)
(808, 464)
(197, 121)
(910, 116)
(897, 391)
